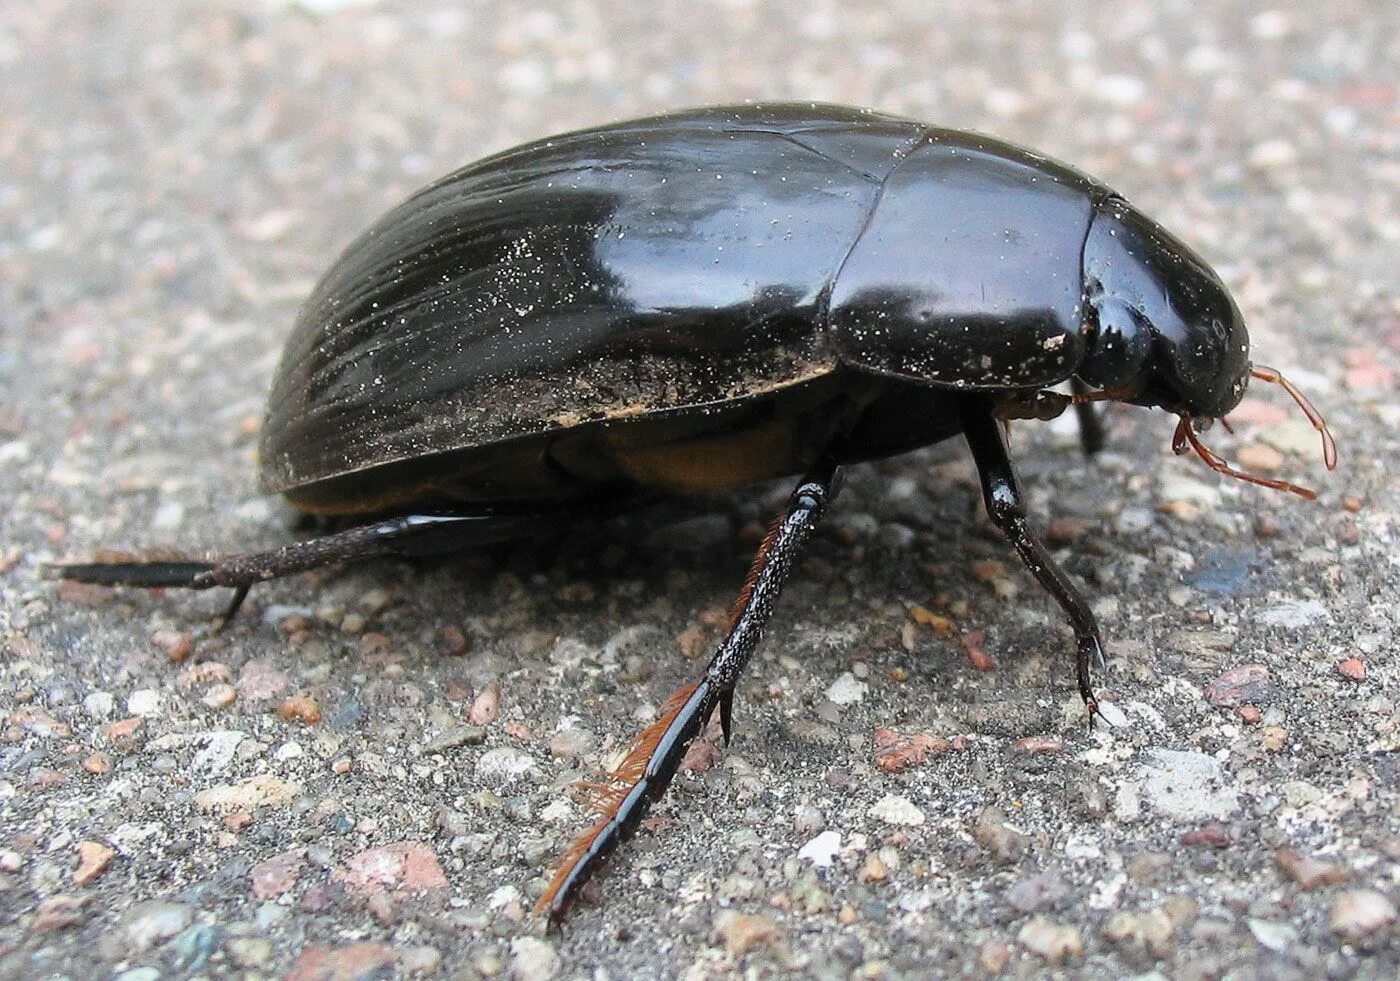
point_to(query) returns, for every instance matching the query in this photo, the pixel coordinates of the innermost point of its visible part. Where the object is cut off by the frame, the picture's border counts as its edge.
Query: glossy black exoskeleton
(701, 300)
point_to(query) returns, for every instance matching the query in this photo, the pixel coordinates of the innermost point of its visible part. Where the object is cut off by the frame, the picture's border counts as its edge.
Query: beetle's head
(1158, 319)
(1161, 329)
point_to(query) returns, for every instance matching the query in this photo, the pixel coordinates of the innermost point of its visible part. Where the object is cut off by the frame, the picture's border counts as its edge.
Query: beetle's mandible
(702, 300)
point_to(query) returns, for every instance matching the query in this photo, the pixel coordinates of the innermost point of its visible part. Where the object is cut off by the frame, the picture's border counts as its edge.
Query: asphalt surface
(368, 773)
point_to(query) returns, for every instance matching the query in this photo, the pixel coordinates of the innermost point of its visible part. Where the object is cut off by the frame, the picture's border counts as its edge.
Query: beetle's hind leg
(406, 536)
(622, 798)
(1002, 495)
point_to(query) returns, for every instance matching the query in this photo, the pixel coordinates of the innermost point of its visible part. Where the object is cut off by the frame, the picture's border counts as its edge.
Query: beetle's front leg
(1002, 496)
(622, 798)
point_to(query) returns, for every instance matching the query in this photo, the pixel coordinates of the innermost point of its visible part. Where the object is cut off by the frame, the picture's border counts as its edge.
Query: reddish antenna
(1185, 438)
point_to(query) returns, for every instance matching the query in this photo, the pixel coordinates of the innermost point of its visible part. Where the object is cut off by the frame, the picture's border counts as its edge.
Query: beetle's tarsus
(655, 755)
(726, 715)
(240, 593)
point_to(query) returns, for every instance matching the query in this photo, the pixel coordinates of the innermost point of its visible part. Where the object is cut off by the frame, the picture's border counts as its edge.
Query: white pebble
(894, 809)
(846, 689)
(503, 765)
(146, 701)
(822, 850)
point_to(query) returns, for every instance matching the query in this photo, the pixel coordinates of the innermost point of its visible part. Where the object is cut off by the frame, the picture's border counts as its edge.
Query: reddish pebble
(1365, 372)
(715, 617)
(261, 681)
(175, 645)
(486, 707)
(700, 756)
(989, 571)
(452, 642)
(124, 734)
(57, 913)
(1037, 745)
(1308, 872)
(85, 593)
(1353, 668)
(93, 859)
(1065, 530)
(367, 959)
(1207, 836)
(238, 820)
(693, 641)
(894, 751)
(994, 956)
(374, 641)
(1248, 683)
(205, 672)
(302, 708)
(972, 644)
(939, 624)
(43, 777)
(278, 875)
(1352, 504)
(403, 868)
(1258, 411)
(1249, 714)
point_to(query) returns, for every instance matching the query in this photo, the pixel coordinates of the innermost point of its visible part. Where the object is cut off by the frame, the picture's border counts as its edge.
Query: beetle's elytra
(706, 299)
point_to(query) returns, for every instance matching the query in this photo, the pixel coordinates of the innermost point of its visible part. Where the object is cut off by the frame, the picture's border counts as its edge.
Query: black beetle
(702, 300)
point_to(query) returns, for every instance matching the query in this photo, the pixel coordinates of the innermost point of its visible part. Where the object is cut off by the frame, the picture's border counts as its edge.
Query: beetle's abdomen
(600, 276)
(968, 274)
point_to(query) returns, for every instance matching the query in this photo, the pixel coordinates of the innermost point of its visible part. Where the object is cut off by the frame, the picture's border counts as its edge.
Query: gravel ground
(367, 774)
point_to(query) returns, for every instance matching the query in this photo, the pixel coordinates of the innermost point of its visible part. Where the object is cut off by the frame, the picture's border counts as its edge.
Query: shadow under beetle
(702, 300)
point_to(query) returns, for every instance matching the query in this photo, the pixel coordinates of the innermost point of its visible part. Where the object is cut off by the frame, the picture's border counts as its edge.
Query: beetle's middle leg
(1002, 495)
(622, 798)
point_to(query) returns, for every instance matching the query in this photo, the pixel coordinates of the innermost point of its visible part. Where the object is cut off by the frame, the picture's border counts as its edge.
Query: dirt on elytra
(368, 772)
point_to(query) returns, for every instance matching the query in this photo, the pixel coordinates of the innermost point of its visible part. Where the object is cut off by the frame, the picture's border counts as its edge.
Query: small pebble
(532, 958)
(301, 708)
(571, 743)
(1308, 872)
(1246, 684)
(895, 751)
(1151, 932)
(145, 702)
(1353, 668)
(93, 859)
(504, 765)
(1052, 942)
(220, 696)
(993, 956)
(994, 834)
(150, 922)
(1273, 936)
(1358, 914)
(1038, 892)
(486, 707)
(742, 933)
(822, 850)
(846, 690)
(57, 913)
(897, 810)
(176, 646)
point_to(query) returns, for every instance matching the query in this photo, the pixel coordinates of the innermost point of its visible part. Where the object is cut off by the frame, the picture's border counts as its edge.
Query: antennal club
(1275, 377)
